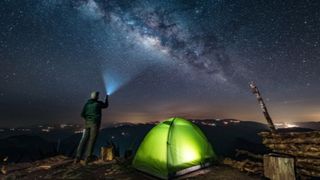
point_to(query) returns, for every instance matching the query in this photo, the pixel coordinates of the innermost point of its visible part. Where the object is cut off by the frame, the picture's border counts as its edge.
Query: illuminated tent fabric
(172, 148)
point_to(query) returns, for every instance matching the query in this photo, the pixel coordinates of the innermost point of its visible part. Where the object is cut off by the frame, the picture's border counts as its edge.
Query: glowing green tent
(172, 148)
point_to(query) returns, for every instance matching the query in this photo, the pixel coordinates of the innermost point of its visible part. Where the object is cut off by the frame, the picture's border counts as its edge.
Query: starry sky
(165, 58)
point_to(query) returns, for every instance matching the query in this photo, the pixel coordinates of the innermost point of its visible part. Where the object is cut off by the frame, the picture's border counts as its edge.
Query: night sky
(165, 58)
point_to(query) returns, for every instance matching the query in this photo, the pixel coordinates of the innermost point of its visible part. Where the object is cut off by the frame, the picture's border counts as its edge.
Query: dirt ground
(219, 172)
(123, 170)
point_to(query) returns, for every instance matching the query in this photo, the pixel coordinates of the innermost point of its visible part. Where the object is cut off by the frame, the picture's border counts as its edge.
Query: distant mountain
(24, 148)
(309, 125)
(225, 135)
(125, 136)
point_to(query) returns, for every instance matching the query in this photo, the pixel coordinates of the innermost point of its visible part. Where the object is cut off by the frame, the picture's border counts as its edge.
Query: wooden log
(295, 147)
(299, 153)
(308, 172)
(245, 165)
(278, 167)
(49, 166)
(293, 140)
(249, 154)
(308, 166)
(312, 161)
(312, 134)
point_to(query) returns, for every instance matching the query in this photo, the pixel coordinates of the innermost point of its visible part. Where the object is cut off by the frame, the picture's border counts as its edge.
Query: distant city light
(45, 130)
(65, 125)
(208, 124)
(285, 125)
(124, 134)
(235, 121)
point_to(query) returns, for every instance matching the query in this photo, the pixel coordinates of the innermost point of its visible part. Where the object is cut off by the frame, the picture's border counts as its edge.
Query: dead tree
(266, 114)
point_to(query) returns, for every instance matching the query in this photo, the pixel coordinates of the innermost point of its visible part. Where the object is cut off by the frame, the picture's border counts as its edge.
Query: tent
(173, 148)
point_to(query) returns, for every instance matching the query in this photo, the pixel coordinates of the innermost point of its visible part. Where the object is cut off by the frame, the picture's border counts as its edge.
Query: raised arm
(105, 104)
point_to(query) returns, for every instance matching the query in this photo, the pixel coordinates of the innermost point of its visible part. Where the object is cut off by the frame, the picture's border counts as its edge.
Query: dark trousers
(88, 140)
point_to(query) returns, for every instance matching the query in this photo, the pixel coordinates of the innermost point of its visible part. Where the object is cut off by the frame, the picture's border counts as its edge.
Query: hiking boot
(88, 160)
(85, 162)
(76, 160)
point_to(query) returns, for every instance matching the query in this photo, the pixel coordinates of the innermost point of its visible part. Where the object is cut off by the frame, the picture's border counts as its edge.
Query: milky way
(159, 28)
(170, 58)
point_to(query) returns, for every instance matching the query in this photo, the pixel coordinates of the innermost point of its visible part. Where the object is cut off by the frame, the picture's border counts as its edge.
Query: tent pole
(168, 144)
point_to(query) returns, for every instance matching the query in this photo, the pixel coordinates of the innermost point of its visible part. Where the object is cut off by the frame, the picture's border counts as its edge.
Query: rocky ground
(62, 168)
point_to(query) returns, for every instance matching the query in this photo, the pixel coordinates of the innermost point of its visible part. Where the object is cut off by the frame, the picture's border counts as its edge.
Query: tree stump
(279, 167)
(107, 153)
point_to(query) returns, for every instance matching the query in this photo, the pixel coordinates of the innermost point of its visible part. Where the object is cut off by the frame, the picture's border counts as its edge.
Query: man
(92, 114)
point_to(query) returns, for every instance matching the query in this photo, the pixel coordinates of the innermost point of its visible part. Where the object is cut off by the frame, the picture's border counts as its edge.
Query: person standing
(91, 113)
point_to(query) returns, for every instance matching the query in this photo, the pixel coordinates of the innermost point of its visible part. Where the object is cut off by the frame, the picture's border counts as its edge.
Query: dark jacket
(91, 111)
